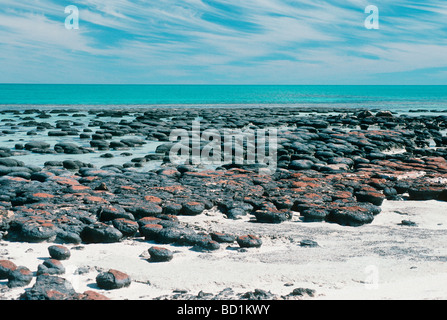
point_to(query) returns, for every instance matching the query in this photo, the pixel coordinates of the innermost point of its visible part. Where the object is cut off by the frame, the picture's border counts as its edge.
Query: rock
(149, 209)
(109, 213)
(38, 232)
(6, 267)
(301, 165)
(258, 294)
(172, 208)
(249, 241)
(236, 213)
(8, 162)
(48, 287)
(425, 192)
(36, 145)
(92, 296)
(408, 223)
(51, 267)
(159, 254)
(308, 243)
(270, 216)
(113, 279)
(68, 237)
(20, 277)
(350, 216)
(384, 114)
(206, 245)
(59, 252)
(314, 214)
(193, 208)
(376, 198)
(169, 235)
(150, 231)
(223, 237)
(303, 292)
(127, 227)
(100, 233)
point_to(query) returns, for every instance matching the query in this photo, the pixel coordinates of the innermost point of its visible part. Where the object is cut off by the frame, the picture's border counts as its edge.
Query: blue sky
(223, 42)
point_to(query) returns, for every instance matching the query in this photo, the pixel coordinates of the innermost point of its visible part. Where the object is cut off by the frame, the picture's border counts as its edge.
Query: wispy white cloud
(224, 41)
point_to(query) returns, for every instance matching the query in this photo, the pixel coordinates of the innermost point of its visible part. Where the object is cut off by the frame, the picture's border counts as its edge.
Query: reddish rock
(20, 277)
(93, 296)
(59, 252)
(113, 279)
(249, 241)
(127, 227)
(425, 192)
(193, 208)
(159, 254)
(150, 231)
(6, 267)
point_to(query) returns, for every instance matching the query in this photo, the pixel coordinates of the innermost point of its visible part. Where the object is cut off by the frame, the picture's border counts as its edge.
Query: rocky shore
(335, 168)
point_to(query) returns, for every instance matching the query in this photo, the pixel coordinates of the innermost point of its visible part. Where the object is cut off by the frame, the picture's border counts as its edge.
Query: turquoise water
(394, 97)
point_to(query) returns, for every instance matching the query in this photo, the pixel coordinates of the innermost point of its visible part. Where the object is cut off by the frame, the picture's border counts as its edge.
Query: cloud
(221, 41)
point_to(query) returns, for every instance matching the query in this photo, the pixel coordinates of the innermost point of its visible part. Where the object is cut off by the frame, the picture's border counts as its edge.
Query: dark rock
(48, 287)
(314, 214)
(408, 223)
(249, 241)
(113, 279)
(169, 235)
(20, 277)
(109, 213)
(159, 254)
(270, 216)
(206, 245)
(301, 165)
(308, 243)
(193, 208)
(6, 267)
(149, 209)
(172, 208)
(258, 294)
(350, 216)
(223, 237)
(100, 233)
(51, 267)
(37, 145)
(376, 198)
(59, 252)
(303, 292)
(236, 213)
(38, 232)
(426, 192)
(127, 227)
(150, 231)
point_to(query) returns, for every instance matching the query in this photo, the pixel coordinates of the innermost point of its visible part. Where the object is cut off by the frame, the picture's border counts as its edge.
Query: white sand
(383, 260)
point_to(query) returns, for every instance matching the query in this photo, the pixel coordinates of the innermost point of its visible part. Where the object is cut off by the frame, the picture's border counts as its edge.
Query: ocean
(395, 98)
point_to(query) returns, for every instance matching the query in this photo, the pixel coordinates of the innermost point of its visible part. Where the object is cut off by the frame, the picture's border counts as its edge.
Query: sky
(224, 42)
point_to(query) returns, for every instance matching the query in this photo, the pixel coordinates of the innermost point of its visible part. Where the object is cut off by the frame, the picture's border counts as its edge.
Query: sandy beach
(383, 260)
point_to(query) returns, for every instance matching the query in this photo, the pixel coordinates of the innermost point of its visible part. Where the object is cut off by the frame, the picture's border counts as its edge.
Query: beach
(352, 207)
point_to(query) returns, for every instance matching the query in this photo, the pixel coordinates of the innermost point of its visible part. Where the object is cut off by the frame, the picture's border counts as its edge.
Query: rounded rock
(159, 254)
(113, 279)
(59, 252)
